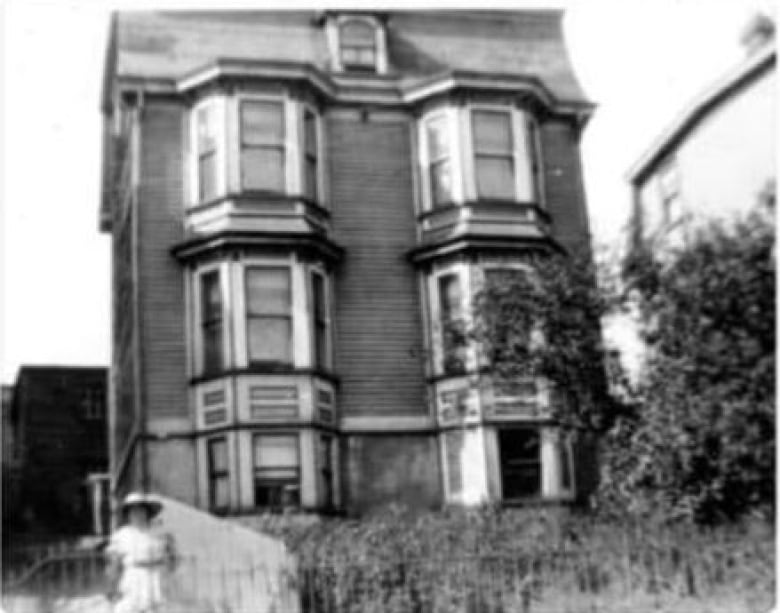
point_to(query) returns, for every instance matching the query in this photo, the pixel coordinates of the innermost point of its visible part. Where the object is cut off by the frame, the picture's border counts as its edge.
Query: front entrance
(521, 463)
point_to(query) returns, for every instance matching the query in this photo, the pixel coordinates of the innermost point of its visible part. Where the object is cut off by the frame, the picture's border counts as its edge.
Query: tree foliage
(545, 323)
(701, 443)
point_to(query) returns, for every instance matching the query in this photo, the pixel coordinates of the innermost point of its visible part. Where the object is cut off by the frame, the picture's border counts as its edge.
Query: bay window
(276, 466)
(479, 152)
(258, 144)
(268, 315)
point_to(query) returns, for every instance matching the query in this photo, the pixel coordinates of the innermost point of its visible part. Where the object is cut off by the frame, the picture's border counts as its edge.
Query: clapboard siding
(379, 334)
(563, 184)
(161, 278)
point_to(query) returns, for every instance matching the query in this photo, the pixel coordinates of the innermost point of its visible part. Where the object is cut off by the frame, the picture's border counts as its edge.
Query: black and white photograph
(388, 307)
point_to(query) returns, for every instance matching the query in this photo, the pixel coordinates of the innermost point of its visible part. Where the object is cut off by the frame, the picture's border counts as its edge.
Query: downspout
(138, 391)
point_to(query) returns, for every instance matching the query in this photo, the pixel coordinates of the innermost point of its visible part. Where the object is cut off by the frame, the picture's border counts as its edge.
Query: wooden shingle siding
(563, 184)
(162, 309)
(378, 329)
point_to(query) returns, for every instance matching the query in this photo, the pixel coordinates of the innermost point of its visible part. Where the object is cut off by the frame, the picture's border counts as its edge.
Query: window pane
(207, 176)
(211, 297)
(492, 132)
(520, 463)
(357, 33)
(438, 145)
(366, 57)
(212, 347)
(449, 296)
(218, 456)
(269, 339)
(206, 137)
(268, 291)
(309, 133)
(219, 493)
(273, 451)
(441, 183)
(310, 171)
(262, 168)
(262, 122)
(495, 177)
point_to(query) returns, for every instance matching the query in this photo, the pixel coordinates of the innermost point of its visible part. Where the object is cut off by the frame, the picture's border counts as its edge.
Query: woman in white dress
(137, 558)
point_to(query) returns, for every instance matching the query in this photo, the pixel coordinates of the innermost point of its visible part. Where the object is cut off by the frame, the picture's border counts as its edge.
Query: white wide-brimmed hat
(138, 499)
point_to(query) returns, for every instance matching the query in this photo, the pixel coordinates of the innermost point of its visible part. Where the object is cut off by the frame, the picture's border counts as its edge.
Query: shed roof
(169, 45)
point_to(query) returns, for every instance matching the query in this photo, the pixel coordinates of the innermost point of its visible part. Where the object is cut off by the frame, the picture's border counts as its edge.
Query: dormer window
(357, 44)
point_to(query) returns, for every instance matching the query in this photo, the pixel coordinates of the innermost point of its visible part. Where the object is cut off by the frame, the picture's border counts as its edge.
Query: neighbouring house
(59, 432)
(717, 158)
(297, 201)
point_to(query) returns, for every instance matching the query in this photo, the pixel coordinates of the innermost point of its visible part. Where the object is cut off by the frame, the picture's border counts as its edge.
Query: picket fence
(720, 577)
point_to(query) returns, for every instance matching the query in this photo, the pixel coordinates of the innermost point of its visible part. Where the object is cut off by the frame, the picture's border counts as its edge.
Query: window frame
(217, 105)
(282, 145)
(256, 435)
(246, 268)
(510, 155)
(324, 362)
(462, 271)
(213, 474)
(199, 345)
(320, 198)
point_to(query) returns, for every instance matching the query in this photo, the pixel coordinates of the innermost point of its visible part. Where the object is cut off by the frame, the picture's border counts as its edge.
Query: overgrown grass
(492, 560)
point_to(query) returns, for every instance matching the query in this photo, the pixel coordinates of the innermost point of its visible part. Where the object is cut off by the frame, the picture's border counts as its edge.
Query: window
(310, 153)
(327, 471)
(207, 153)
(320, 321)
(219, 476)
(276, 471)
(357, 39)
(262, 145)
(521, 465)
(211, 323)
(439, 164)
(493, 154)
(269, 315)
(452, 325)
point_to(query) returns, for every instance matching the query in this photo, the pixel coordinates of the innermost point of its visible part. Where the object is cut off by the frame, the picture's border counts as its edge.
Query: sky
(639, 61)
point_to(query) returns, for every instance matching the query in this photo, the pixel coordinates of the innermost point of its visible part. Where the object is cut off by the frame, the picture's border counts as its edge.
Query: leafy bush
(701, 443)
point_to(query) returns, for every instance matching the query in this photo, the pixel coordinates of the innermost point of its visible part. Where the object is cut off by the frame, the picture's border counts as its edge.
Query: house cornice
(384, 90)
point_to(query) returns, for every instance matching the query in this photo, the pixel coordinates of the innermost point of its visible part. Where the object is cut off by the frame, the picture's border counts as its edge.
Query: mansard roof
(421, 44)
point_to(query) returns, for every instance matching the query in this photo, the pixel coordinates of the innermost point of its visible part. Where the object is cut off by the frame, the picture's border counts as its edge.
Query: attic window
(358, 45)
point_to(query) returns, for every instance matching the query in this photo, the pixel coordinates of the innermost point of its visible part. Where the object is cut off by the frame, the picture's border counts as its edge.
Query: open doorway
(521, 463)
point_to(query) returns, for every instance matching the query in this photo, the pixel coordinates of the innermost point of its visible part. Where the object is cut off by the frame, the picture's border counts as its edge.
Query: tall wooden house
(297, 201)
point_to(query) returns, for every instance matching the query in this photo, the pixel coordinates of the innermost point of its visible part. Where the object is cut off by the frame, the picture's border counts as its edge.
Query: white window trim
(450, 116)
(292, 162)
(302, 485)
(521, 151)
(218, 104)
(461, 270)
(334, 41)
(322, 198)
(327, 298)
(296, 296)
(224, 282)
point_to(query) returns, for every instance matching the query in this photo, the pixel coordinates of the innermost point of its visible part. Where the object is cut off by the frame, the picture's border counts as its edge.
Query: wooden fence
(721, 577)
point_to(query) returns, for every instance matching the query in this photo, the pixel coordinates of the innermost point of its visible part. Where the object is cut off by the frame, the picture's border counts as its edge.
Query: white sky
(639, 60)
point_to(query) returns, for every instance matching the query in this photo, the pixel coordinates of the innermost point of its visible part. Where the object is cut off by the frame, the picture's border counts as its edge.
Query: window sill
(266, 369)
(249, 197)
(492, 203)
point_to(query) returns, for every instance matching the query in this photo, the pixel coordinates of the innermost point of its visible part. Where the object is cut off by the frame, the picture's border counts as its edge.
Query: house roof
(170, 45)
(704, 105)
